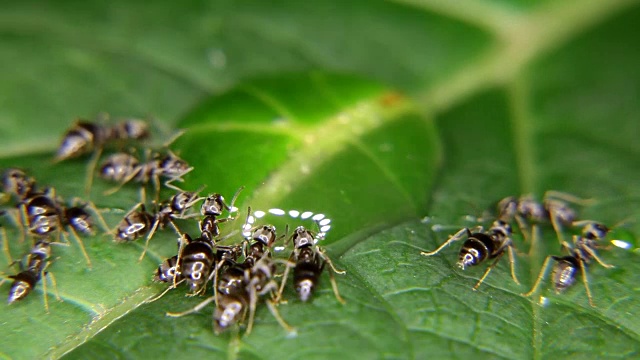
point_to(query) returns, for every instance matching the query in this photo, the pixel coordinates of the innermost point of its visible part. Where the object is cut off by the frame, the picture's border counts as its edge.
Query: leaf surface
(504, 98)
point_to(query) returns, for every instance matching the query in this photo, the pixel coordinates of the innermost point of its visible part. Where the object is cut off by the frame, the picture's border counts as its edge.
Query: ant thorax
(303, 237)
(560, 210)
(130, 130)
(172, 166)
(531, 209)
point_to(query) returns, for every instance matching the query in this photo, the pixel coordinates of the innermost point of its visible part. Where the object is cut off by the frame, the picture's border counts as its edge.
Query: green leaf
(302, 104)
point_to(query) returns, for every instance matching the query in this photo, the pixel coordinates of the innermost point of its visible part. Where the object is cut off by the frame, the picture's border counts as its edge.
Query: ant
(84, 137)
(580, 255)
(323, 222)
(43, 213)
(123, 168)
(239, 290)
(169, 272)
(211, 209)
(177, 207)
(308, 261)
(554, 208)
(17, 184)
(25, 281)
(482, 245)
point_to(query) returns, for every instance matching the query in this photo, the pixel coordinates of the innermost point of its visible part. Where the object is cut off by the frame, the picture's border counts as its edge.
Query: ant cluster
(44, 216)
(241, 273)
(526, 212)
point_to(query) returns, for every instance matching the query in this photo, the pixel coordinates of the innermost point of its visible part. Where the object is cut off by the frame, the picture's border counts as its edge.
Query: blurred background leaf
(376, 114)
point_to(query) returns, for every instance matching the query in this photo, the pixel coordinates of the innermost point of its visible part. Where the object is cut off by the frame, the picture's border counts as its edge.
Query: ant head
(16, 181)
(173, 166)
(508, 207)
(302, 237)
(266, 234)
(213, 205)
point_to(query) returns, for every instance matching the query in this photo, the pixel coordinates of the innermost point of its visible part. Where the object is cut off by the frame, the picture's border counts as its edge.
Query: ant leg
(156, 188)
(163, 293)
(522, 225)
(81, 244)
(486, 273)
(91, 168)
(253, 300)
(326, 258)
(283, 282)
(124, 181)
(173, 138)
(231, 208)
(179, 262)
(195, 309)
(5, 245)
(334, 286)
(22, 221)
(596, 257)
(541, 276)
(557, 227)
(554, 194)
(585, 280)
(457, 236)
(151, 233)
(512, 263)
(276, 314)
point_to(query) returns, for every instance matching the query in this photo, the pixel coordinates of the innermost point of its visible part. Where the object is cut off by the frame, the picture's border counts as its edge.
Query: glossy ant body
(43, 213)
(177, 207)
(26, 280)
(123, 168)
(580, 255)
(526, 210)
(308, 261)
(482, 245)
(238, 292)
(85, 137)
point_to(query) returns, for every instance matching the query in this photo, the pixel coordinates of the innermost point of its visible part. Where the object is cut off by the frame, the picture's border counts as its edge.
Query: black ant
(84, 137)
(481, 245)
(211, 209)
(308, 261)
(25, 281)
(16, 184)
(554, 208)
(123, 168)
(580, 255)
(238, 292)
(44, 213)
(168, 270)
(175, 208)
